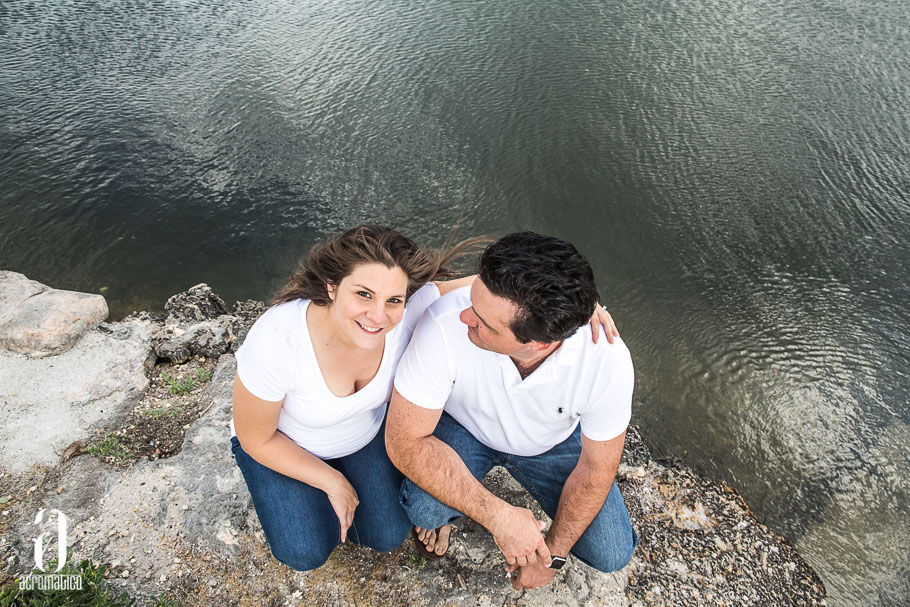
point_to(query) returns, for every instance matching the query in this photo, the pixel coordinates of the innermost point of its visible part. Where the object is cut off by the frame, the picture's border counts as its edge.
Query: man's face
(488, 320)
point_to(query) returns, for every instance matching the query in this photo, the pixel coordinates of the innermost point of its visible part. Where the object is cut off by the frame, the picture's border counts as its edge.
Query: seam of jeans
(356, 538)
(514, 471)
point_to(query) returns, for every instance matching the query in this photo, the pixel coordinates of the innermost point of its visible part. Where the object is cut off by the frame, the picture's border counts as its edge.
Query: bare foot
(435, 542)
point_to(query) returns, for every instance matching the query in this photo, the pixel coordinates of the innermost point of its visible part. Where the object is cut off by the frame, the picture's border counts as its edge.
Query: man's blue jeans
(299, 522)
(607, 544)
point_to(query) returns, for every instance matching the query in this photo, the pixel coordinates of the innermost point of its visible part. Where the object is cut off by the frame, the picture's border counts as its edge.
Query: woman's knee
(389, 540)
(301, 557)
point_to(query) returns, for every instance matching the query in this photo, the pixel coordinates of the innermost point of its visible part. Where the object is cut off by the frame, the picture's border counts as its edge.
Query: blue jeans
(607, 544)
(299, 522)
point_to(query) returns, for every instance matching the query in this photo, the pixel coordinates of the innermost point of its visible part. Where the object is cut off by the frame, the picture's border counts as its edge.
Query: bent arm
(256, 423)
(585, 492)
(412, 447)
(447, 286)
(440, 471)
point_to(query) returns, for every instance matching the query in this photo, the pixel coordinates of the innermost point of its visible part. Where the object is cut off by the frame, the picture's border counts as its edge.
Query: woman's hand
(602, 318)
(344, 501)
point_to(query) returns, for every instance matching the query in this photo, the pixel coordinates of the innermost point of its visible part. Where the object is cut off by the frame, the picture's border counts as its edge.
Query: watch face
(557, 562)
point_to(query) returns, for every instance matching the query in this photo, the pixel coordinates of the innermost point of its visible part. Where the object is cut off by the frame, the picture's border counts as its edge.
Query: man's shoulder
(602, 355)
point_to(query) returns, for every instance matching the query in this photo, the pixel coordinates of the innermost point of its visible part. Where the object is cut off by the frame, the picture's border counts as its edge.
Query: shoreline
(173, 517)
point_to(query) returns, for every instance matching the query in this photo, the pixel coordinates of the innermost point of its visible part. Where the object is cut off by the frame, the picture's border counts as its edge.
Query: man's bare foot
(436, 541)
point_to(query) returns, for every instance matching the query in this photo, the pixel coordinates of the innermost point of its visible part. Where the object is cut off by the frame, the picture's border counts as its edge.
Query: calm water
(737, 172)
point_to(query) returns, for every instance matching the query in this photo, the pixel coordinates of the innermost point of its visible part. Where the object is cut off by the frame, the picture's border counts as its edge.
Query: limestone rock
(39, 321)
(198, 323)
(210, 338)
(245, 314)
(196, 304)
(50, 402)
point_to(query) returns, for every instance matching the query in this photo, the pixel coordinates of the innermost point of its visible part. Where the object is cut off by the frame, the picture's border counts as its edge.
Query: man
(522, 386)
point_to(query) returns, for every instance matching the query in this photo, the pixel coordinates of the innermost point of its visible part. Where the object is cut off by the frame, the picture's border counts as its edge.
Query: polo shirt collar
(568, 353)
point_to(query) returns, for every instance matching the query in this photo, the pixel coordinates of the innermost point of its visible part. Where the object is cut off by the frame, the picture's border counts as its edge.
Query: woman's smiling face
(368, 303)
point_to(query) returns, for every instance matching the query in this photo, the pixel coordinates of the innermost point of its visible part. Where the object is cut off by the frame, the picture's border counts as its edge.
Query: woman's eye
(364, 294)
(395, 301)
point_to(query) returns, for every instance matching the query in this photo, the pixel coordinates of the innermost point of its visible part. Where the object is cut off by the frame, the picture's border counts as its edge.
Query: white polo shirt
(581, 382)
(277, 361)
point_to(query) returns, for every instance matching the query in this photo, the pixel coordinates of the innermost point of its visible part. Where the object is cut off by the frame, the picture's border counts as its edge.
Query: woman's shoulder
(281, 321)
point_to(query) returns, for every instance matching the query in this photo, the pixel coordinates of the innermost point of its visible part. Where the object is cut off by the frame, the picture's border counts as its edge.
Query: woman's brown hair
(329, 262)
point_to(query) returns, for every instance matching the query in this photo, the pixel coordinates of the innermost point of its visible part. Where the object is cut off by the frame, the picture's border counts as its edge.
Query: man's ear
(542, 346)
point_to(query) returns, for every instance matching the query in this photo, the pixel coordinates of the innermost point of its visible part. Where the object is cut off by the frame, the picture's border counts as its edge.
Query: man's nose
(467, 317)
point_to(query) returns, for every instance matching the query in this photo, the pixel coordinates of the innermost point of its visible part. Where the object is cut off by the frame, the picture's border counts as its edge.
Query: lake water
(737, 172)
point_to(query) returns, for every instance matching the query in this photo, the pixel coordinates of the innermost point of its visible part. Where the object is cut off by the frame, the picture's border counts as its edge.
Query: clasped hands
(518, 535)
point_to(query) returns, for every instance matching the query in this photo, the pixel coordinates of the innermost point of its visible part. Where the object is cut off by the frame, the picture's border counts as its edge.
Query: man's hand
(530, 576)
(517, 533)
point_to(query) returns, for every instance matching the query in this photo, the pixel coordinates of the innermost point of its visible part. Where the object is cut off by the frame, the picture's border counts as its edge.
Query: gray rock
(197, 323)
(245, 314)
(39, 321)
(249, 309)
(636, 452)
(143, 514)
(196, 304)
(210, 338)
(47, 403)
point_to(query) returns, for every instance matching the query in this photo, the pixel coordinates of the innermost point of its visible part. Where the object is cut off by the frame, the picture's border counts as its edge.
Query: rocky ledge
(126, 433)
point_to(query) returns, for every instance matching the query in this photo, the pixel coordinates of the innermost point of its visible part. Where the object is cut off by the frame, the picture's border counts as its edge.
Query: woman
(313, 379)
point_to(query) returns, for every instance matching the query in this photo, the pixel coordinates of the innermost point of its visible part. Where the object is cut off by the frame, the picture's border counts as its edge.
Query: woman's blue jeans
(299, 522)
(606, 545)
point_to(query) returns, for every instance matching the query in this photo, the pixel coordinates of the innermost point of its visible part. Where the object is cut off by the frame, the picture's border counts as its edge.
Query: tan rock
(39, 321)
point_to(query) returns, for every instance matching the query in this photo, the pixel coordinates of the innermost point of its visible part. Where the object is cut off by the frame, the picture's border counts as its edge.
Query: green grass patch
(416, 561)
(179, 387)
(169, 411)
(94, 591)
(109, 447)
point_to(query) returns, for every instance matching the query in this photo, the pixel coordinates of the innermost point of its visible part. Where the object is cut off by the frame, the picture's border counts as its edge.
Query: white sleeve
(419, 302)
(425, 374)
(609, 414)
(265, 360)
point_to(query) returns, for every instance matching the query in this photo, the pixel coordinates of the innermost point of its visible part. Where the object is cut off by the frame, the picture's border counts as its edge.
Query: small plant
(178, 387)
(109, 447)
(94, 591)
(417, 561)
(159, 411)
(166, 601)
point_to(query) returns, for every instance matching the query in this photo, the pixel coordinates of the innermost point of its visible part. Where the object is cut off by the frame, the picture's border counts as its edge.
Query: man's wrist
(494, 510)
(556, 547)
(557, 562)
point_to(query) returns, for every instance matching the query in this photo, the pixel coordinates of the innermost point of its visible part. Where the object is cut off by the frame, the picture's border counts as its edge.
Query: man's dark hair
(547, 278)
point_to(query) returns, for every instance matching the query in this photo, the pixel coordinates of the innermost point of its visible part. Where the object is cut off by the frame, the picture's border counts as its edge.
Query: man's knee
(423, 509)
(614, 560)
(614, 556)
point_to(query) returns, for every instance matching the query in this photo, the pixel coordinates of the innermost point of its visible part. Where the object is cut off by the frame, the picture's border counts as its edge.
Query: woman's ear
(330, 290)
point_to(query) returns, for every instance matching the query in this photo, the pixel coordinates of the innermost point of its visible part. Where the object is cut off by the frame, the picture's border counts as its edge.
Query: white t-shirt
(580, 382)
(277, 361)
